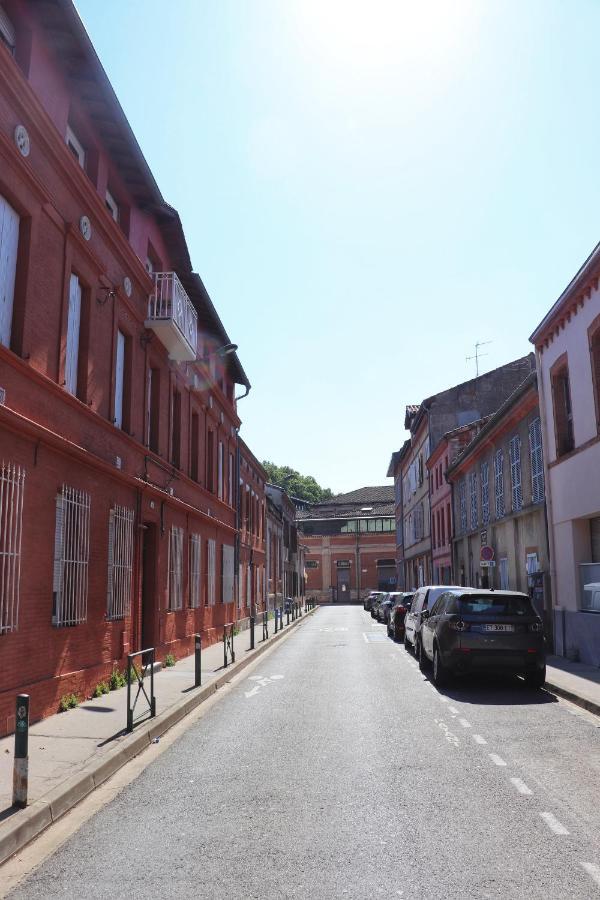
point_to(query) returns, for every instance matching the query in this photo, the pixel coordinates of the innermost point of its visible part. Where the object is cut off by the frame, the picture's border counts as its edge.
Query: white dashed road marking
(593, 871)
(497, 760)
(453, 710)
(464, 723)
(521, 787)
(479, 739)
(553, 823)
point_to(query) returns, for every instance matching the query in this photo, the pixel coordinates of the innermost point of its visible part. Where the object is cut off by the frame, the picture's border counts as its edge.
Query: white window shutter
(9, 241)
(72, 358)
(119, 376)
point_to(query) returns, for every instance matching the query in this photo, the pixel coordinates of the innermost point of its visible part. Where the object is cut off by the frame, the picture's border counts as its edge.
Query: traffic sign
(486, 554)
(487, 563)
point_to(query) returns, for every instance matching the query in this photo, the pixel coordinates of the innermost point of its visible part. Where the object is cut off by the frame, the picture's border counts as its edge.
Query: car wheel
(440, 673)
(536, 679)
(406, 642)
(423, 661)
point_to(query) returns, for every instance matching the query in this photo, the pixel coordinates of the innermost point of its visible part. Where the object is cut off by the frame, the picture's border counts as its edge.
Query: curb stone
(22, 826)
(577, 699)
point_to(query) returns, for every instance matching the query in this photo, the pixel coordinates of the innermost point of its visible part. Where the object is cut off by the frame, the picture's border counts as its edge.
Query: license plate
(498, 627)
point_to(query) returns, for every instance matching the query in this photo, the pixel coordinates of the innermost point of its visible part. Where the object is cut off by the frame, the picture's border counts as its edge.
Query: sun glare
(374, 35)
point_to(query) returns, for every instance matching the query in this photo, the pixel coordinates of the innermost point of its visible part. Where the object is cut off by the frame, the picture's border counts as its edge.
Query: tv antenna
(478, 355)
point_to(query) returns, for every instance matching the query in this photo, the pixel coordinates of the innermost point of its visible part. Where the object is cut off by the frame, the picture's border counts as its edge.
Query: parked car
(369, 599)
(383, 608)
(402, 602)
(424, 598)
(483, 630)
(375, 604)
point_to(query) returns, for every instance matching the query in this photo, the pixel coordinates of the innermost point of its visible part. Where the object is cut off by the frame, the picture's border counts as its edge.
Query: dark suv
(424, 598)
(492, 631)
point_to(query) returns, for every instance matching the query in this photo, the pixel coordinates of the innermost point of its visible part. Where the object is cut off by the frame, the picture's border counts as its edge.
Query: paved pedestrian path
(575, 681)
(66, 742)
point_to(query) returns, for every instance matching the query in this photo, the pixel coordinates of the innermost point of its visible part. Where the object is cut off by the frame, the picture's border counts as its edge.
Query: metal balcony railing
(172, 317)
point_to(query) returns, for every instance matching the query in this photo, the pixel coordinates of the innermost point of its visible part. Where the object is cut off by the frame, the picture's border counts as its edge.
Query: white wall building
(567, 346)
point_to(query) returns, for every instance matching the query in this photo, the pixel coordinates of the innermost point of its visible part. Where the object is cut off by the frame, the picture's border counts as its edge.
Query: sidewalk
(574, 681)
(72, 753)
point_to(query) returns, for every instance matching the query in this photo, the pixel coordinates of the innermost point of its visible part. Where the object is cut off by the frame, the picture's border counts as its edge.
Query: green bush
(68, 701)
(134, 675)
(101, 689)
(117, 680)
(170, 660)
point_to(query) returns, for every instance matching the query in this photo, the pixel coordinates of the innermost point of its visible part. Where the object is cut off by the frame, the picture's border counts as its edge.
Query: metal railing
(138, 678)
(170, 301)
(228, 649)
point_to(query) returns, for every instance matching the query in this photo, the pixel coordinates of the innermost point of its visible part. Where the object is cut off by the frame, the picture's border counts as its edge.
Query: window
(7, 31)
(485, 493)
(152, 409)
(176, 430)
(231, 474)
(515, 472)
(120, 559)
(594, 335)
(195, 560)
(499, 483)
(248, 586)
(563, 414)
(240, 586)
(194, 446)
(220, 473)
(473, 496)
(12, 484)
(462, 501)
(122, 376)
(175, 568)
(73, 327)
(71, 555)
(210, 461)
(448, 522)
(75, 146)
(227, 581)
(149, 266)
(537, 461)
(312, 564)
(112, 205)
(9, 242)
(211, 548)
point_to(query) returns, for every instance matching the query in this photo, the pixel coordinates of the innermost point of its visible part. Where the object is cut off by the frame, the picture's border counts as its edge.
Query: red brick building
(350, 544)
(118, 422)
(252, 533)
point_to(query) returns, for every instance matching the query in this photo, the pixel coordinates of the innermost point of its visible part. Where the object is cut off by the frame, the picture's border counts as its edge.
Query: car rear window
(487, 605)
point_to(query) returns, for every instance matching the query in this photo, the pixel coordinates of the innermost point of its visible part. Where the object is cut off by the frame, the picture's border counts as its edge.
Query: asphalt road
(344, 773)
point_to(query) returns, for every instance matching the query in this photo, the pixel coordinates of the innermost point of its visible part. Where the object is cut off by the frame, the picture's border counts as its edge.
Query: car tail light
(459, 625)
(536, 627)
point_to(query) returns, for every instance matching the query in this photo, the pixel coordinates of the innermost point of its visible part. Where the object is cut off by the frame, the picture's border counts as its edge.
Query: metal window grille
(12, 484)
(473, 495)
(515, 472)
(228, 573)
(485, 493)
(240, 586)
(212, 556)
(175, 567)
(120, 562)
(462, 499)
(248, 586)
(499, 483)
(195, 560)
(537, 461)
(71, 556)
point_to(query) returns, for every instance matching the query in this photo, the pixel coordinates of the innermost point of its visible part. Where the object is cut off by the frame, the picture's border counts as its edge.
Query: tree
(305, 487)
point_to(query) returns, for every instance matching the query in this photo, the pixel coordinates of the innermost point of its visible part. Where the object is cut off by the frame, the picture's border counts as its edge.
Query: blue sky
(367, 189)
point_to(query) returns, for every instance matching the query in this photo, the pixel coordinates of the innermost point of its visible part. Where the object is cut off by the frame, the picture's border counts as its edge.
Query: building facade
(118, 417)
(252, 533)
(498, 499)
(428, 423)
(567, 346)
(285, 552)
(350, 545)
(415, 501)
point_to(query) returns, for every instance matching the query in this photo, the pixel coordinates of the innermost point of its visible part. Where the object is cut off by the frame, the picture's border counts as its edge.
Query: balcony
(172, 317)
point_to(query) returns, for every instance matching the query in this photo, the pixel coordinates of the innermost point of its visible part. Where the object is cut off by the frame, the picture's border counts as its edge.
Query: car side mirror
(424, 613)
